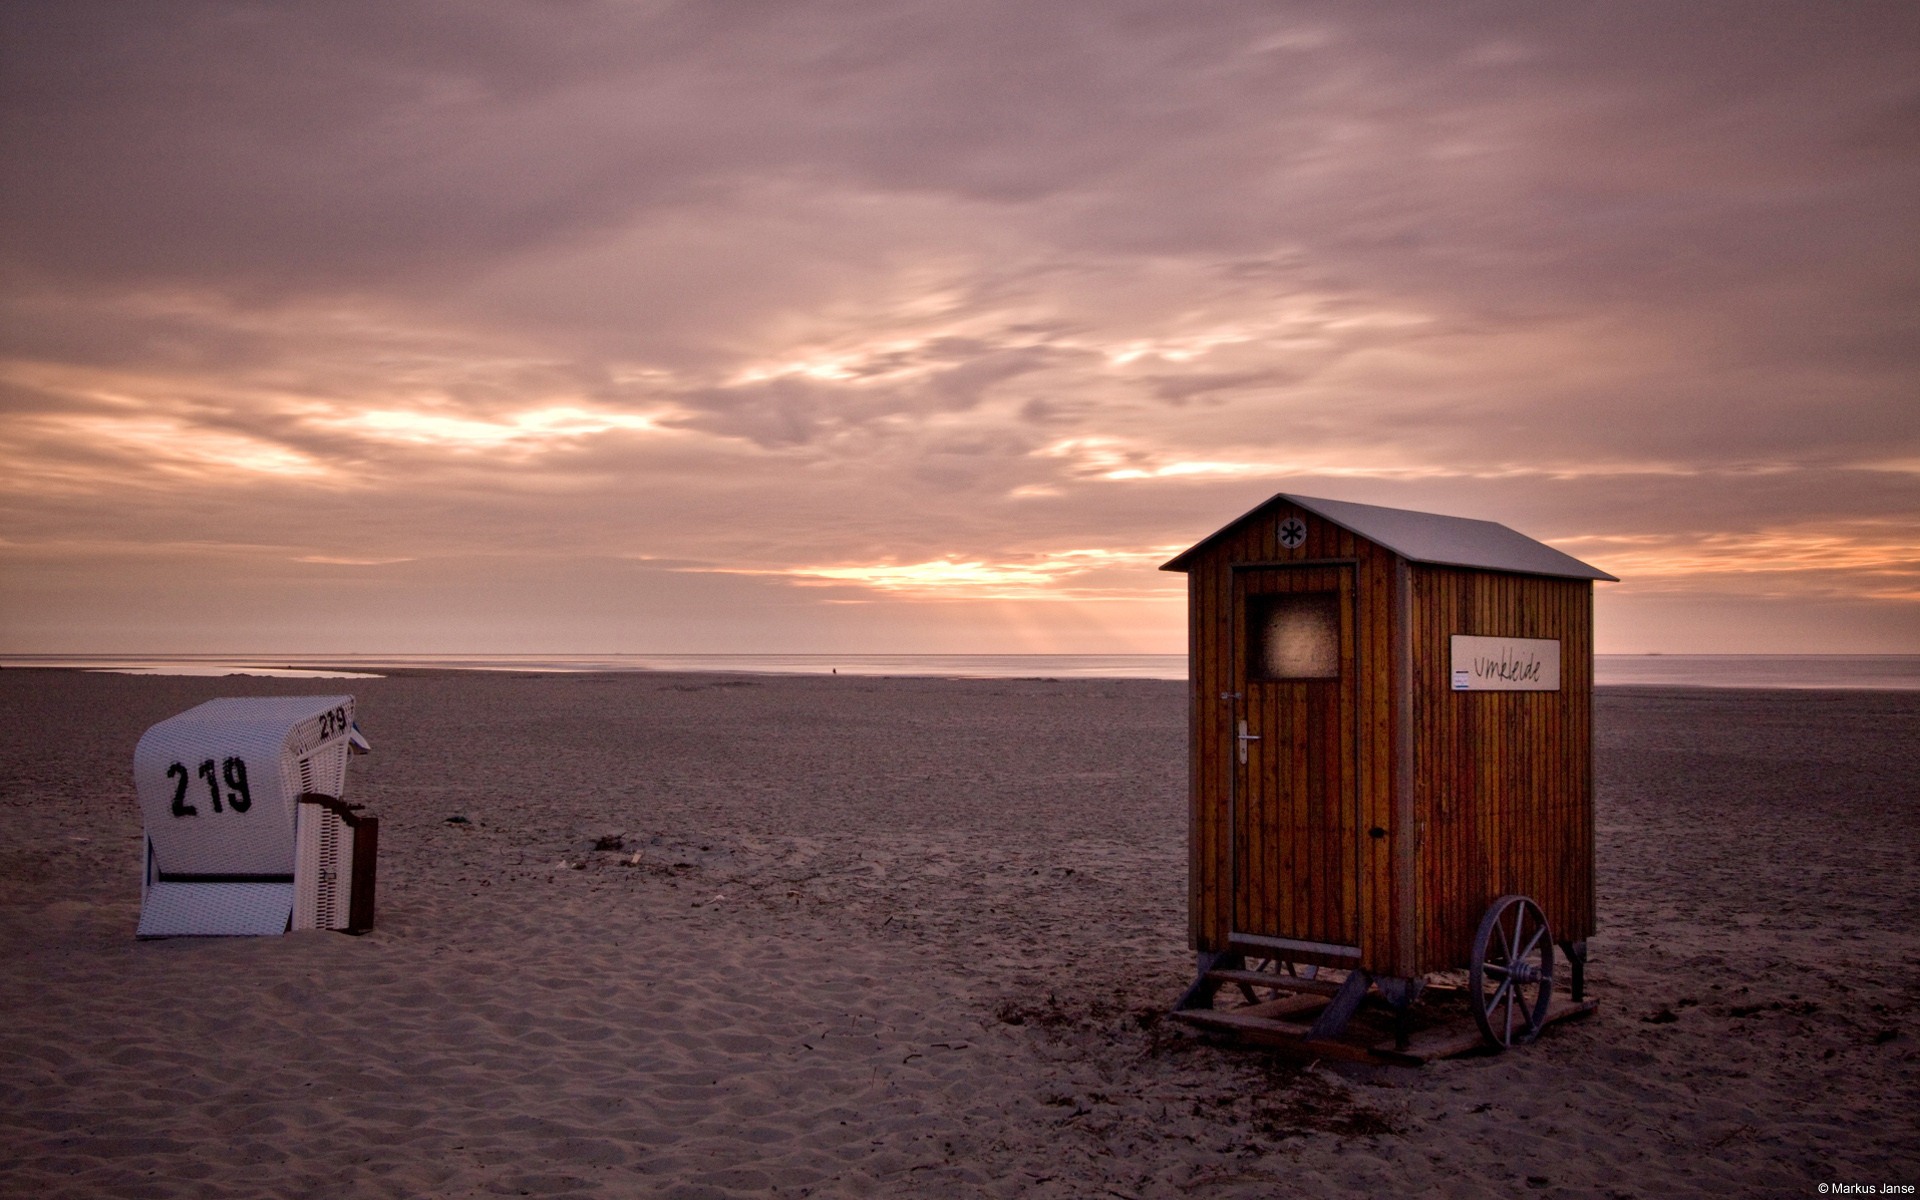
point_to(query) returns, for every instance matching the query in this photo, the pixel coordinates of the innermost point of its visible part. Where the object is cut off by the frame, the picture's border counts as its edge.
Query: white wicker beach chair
(247, 829)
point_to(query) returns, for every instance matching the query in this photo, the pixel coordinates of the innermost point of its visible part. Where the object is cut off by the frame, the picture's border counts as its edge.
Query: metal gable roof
(1430, 538)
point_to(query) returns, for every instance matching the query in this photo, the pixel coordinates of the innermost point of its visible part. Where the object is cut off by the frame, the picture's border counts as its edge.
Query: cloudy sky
(936, 325)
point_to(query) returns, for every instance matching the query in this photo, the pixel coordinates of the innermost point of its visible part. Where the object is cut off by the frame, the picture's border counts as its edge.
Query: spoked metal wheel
(1510, 977)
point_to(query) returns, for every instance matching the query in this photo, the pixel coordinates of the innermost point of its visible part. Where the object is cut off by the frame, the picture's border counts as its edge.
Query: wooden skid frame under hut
(1391, 778)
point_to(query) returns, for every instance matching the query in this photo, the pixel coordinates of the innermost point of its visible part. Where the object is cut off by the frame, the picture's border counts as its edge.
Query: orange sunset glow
(938, 327)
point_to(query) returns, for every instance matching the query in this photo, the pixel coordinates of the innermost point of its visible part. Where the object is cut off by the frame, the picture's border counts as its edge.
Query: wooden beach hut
(1391, 769)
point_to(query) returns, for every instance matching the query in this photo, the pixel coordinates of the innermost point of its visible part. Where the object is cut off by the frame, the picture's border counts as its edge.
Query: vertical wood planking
(1503, 779)
(1219, 777)
(1353, 763)
(1376, 748)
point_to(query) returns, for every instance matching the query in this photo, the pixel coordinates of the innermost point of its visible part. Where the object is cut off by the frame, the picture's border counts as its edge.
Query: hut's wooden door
(1295, 817)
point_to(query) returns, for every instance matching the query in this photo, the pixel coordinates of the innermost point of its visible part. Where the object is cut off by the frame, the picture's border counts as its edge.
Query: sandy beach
(914, 937)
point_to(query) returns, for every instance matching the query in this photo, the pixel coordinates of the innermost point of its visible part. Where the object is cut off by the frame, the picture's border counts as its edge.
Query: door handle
(1243, 737)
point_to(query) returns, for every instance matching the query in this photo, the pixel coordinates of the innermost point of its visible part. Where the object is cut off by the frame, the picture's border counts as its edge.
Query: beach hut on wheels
(1391, 777)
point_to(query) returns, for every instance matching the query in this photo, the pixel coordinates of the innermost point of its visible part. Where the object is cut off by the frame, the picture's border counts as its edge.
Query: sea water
(1886, 672)
(1878, 672)
(347, 666)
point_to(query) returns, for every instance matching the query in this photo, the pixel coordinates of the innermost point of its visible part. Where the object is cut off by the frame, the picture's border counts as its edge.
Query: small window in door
(1294, 636)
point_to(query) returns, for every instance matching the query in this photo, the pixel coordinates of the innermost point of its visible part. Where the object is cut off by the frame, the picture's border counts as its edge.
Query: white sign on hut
(1505, 664)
